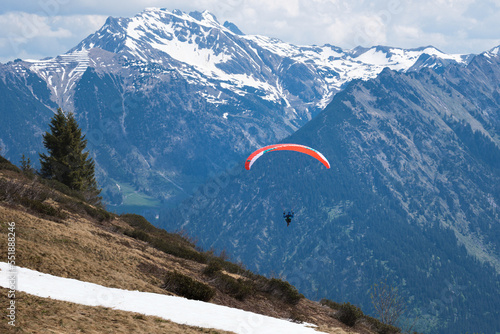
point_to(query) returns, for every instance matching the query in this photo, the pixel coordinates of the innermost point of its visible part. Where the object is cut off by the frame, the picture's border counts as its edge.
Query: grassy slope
(43, 315)
(74, 241)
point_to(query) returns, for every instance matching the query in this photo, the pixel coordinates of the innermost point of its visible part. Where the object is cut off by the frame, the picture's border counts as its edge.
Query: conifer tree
(66, 161)
(26, 164)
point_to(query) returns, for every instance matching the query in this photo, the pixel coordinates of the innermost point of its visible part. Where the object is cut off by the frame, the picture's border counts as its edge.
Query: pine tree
(66, 162)
(26, 164)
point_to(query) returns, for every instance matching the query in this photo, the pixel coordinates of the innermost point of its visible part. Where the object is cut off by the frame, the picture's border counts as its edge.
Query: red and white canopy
(285, 147)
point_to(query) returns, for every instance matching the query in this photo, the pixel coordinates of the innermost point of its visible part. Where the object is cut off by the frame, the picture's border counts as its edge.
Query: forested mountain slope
(412, 197)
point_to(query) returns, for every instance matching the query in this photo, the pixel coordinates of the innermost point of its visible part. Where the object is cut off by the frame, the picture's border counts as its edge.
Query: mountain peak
(233, 28)
(204, 16)
(495, 51)
(149, 35)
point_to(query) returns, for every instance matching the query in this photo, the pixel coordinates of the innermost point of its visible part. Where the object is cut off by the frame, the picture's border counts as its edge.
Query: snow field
(176, 309)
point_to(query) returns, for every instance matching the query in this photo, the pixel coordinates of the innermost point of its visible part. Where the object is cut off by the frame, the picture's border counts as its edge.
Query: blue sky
(34, 29)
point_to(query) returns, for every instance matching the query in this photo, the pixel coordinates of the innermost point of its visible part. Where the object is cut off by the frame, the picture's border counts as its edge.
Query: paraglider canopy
(285, 147)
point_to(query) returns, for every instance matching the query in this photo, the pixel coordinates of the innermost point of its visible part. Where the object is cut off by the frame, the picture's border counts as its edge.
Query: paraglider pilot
(288, 217)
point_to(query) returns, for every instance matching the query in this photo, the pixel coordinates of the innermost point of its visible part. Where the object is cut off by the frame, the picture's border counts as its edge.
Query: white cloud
(404, 32)
(25, 26)
(33, 36)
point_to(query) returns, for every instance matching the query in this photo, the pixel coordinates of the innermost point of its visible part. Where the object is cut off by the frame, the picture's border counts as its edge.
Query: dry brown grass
(83, 248)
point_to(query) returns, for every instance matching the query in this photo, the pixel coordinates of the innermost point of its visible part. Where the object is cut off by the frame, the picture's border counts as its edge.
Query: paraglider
(286, 147)
(288, 217)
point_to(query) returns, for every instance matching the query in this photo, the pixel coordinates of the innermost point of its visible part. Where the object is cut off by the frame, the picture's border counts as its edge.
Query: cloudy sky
(34, 29)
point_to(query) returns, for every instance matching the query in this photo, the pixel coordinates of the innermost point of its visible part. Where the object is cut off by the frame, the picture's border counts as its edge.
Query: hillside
(61, 235)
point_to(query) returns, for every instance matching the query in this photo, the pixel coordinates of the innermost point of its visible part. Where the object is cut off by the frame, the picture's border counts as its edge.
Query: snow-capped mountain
(193, 87)
(167, 99)
(220, 57)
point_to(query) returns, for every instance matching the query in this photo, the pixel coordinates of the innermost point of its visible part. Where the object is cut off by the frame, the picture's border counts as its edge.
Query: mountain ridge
(153, 29)
(245, 90)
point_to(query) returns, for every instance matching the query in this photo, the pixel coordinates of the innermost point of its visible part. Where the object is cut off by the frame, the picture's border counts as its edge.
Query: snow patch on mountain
(61, 73)
(176, 309)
